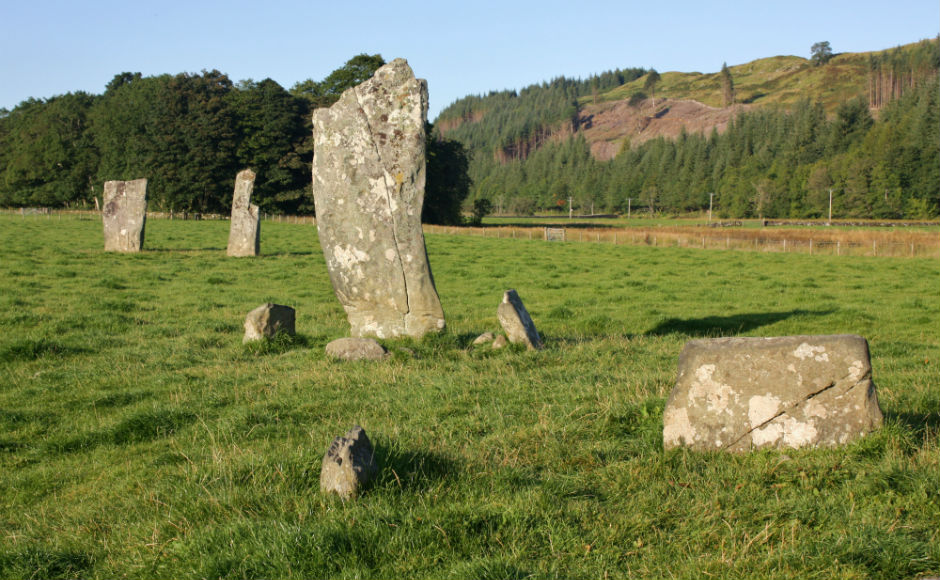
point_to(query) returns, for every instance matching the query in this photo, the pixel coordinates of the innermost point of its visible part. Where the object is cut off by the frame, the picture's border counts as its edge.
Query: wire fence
(927, 246)
(708, 241)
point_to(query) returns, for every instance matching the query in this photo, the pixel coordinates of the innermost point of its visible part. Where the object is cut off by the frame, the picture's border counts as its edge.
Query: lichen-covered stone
(516, 321)
(267, 320)
(124, 215)
(737, 394)
(349, 464)
(368, 187)
(356, 349)
(244, 237)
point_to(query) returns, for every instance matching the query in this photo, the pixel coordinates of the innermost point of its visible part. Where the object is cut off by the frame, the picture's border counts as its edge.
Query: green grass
(140, 438)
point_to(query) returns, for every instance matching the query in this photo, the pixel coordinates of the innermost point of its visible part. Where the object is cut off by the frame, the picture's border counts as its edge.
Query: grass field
(140, 438)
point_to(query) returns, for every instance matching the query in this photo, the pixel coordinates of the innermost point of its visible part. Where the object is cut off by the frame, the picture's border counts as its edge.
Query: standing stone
(267, 320)
(244, 236)
(349, 464)
(516, 321)
(124, 215)
(737, 394)
(368, 186)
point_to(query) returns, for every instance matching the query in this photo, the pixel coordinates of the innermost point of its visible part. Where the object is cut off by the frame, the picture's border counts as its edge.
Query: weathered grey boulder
(368, 187)
(516, 321)
(356, 349)
(349, 464)
(124, 215)
(267, 320)
(737, 394)
(244, 236)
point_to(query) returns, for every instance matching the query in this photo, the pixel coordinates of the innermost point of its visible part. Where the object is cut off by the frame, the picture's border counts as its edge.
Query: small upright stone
(124, 215)
(516, 321)
(349, 464)
(267, 320)
(244, 237)
(738, 394)
(368, 187)
(356, 349)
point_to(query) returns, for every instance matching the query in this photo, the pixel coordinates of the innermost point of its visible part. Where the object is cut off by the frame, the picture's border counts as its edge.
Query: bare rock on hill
(349, 464)
(368, 186)
(738, 394)
(124, 215)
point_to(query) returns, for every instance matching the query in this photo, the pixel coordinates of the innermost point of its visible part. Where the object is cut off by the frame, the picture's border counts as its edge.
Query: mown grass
(140, 438)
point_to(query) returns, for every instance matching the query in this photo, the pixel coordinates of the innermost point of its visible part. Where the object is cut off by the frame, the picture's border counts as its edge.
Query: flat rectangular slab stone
(124, 215)
(738, 394)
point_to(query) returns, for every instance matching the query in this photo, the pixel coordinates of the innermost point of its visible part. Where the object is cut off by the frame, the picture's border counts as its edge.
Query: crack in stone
(388, 200)
(783, 412)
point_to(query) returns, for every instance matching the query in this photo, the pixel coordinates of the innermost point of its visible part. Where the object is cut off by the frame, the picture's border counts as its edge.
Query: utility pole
(711, 197)
(570, 207)
(629, 200)
(829, 223)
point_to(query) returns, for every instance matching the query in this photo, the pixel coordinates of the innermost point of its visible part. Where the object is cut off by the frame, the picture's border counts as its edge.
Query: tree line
(767, 163)
(189, 134)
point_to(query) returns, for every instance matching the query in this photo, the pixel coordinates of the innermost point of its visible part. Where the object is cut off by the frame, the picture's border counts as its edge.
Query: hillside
(681, 100)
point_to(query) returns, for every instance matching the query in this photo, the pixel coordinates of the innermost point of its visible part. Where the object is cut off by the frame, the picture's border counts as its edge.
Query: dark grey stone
(349, 464)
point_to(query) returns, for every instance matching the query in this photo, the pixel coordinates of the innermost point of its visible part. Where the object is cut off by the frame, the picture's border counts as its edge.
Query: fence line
(636, 237)
(626, 236)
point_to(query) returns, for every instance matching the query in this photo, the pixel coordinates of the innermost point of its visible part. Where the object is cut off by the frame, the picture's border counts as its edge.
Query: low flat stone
(516, 321)
(484, 338)
(267, 320)
(124, 215)
(738, 394)
(500, 342)
(349, 464)
(356, 349)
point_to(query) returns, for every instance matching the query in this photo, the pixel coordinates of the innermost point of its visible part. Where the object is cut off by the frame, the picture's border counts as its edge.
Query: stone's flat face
(349, 464)
(244, 237)
(516, 321)
(738, 394)
(124, 215)
(368, 187)
(356, 349)
(267, 320)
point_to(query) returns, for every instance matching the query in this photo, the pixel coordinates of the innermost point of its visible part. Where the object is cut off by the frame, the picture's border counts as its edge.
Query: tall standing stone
(244, 237)
(124, 215)
(737, 394)
(368, 186)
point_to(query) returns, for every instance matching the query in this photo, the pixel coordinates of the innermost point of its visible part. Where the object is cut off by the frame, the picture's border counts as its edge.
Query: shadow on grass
(410, 469)
(918, 423)
(139, 427)
(34, 349)
(719, 326)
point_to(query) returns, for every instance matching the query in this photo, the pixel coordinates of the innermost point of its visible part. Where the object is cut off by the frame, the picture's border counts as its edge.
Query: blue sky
(53, 47)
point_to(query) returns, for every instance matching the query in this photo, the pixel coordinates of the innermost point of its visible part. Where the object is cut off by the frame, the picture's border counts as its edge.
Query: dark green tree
(448, 181)
(727, 85)
(821, 53)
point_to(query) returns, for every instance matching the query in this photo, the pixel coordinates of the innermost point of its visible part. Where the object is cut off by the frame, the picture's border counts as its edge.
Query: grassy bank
(140, 438)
